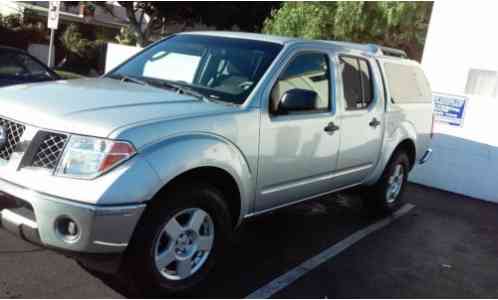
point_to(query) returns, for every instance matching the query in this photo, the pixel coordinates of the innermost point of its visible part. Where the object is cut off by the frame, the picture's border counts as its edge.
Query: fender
(403, 131)
(178, 154)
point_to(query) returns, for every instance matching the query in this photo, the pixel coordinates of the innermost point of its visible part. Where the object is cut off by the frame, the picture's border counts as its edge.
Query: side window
(309, 71)
(407, 83)
(9, 66)
(31, 65)
(357, 82)
(366, 82)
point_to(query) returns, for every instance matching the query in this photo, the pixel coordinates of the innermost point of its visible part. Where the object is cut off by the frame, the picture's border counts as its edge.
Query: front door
(361, 118)
(298, 150)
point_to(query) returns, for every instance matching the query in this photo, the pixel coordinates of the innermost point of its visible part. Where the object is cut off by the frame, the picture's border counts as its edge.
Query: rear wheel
(388, 191)
(178, 240)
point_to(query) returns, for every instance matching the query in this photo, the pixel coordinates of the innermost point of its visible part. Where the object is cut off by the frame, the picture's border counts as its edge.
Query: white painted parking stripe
(288, 278)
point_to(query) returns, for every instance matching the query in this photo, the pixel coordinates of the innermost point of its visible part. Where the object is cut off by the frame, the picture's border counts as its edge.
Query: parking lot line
(288, 278)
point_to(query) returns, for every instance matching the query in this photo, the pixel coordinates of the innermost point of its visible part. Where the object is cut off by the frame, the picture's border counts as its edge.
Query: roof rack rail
(393, 52)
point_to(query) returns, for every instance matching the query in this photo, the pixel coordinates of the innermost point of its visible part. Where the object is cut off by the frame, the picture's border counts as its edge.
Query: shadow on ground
(270, 245)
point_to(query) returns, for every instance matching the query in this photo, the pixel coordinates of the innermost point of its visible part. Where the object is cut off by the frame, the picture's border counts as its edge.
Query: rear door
(362, 112)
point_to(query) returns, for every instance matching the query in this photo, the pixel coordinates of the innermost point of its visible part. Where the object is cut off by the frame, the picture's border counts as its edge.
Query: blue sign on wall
(449, 108)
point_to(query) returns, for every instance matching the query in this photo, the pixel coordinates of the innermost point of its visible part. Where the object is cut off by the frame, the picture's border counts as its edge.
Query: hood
(97, 107)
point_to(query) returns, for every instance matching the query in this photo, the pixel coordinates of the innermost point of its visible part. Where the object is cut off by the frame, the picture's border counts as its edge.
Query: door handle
(331, 127)
(374, 123)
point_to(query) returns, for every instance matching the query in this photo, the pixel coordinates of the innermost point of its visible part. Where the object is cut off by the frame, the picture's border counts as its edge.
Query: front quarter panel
(179, 154)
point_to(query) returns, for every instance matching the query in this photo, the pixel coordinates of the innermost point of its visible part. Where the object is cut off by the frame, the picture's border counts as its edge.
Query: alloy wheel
(395, 183)
(184, 244)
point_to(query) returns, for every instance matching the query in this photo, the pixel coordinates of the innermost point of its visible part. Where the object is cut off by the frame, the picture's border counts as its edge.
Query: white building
(114, 16)
(460, 58)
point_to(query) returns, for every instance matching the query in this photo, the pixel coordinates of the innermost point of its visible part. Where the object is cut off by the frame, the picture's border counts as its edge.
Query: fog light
(67, 229)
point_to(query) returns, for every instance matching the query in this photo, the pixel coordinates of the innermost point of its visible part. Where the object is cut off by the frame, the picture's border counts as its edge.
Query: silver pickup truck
(150, 168)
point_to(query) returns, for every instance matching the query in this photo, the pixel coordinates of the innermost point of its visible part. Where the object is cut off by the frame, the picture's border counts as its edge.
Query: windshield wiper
(179, 88)
(124, 78)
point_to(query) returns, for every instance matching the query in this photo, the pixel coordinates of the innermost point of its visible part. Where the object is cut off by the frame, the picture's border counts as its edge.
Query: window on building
(482, 83)
(357, 82)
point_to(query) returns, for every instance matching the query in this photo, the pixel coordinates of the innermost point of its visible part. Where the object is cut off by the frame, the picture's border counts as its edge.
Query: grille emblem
(3, 136)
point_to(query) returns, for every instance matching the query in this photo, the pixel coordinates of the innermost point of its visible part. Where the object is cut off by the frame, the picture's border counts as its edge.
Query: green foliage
(73, 41)
(396, 24)
(18, 30)
(126, 36)
(12, 21)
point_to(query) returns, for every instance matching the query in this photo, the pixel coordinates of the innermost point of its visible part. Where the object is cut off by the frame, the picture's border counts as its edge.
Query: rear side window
(357, 82)
(407, 83)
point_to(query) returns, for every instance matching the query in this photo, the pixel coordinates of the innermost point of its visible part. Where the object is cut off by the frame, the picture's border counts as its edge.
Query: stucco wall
(465, 159)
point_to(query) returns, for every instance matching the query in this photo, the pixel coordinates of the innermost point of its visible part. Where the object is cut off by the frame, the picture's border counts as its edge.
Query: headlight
(88, 157)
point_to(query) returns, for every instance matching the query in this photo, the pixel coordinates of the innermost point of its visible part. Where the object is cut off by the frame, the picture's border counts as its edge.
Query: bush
(82, 54)
(74, 42)
(126, 36)
(396, 24)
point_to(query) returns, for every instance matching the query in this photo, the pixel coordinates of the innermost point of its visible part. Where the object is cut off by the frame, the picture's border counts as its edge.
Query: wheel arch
(217, 177)
(404, 138)
(208, 158)
(407, 146)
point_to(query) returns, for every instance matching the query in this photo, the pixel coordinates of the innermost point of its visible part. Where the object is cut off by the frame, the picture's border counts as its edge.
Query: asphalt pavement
(444, 247)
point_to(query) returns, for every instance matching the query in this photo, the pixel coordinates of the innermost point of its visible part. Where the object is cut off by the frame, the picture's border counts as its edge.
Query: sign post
(52, 23)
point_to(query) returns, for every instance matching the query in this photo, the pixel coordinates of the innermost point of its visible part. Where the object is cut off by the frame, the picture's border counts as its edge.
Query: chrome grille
(14, 133)
(49, 151)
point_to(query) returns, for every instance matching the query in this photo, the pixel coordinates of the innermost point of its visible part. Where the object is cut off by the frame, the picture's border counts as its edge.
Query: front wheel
(388, 191)
(178, 240)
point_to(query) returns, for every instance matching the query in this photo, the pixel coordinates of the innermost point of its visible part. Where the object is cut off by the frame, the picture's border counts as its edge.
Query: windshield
(16, 64)
(218, 68)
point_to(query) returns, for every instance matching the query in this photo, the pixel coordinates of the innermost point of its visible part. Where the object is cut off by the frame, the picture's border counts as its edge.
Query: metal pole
(51, 49)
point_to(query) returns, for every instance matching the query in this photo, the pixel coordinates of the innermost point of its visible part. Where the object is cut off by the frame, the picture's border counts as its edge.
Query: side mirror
(297, 100)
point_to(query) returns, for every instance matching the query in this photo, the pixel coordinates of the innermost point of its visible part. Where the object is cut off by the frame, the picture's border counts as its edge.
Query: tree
(395, 24)
(81, 54)
(165, 17)
(137, 13)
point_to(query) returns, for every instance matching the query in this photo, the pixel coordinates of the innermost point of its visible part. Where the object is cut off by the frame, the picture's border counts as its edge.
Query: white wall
(465, 159)
(116, 54)
(461, 36)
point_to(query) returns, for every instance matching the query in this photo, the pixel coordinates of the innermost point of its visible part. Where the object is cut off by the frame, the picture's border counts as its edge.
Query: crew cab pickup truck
(155, 164)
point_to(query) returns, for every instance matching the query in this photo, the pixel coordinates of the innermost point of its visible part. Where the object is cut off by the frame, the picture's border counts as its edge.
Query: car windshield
(218, 68)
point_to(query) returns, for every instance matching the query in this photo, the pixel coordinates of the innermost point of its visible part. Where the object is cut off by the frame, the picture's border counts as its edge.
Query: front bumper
(101, 229)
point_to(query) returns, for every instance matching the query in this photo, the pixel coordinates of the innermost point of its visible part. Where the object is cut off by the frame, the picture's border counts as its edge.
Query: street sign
(53, 14)
(52, 23)
(449, 108)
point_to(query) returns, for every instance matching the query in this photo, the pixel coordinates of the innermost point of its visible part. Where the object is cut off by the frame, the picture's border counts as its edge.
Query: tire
(157, 234)
(386, 196)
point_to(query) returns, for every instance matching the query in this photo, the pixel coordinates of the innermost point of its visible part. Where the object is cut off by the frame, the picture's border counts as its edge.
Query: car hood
(97, 107)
